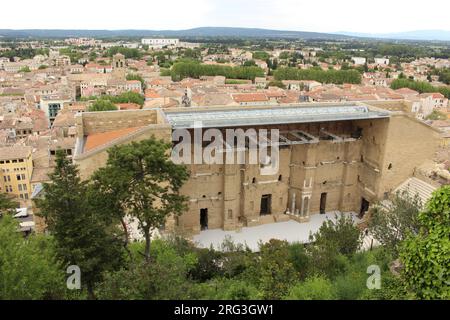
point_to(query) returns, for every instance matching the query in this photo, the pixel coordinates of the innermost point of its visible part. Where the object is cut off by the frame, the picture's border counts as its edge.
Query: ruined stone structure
(331, 157)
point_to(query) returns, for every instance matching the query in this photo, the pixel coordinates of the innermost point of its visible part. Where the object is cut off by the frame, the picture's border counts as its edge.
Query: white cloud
(319, 15)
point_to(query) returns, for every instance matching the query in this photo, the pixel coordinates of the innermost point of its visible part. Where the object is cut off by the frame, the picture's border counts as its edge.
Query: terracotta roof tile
(98, 139)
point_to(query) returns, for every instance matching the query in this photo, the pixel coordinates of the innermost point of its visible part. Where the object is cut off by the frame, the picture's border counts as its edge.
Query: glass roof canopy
(269, 116)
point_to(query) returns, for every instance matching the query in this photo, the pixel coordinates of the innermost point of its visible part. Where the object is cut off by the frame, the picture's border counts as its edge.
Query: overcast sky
(374, 16)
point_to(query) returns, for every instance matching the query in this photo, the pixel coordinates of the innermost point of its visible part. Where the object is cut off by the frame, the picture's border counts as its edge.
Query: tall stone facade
(333, 164)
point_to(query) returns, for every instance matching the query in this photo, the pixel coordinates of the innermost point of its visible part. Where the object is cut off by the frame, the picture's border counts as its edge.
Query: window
(280, 177)
(23, 176)
(25, 187)
(20, 187)
(26, 196)
(18, 177)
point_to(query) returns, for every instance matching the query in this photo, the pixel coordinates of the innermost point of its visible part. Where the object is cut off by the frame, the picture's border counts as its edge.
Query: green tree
(436, 115)
(181, 70)
(426, 256)
(7, 204)
(420, 86)
(249, 63)
(92, 56)
(340, 234)
(276, 83)
(146, 182)
(391, 225)
(260, 55)
(28, 267)
(102, 105)
(138, 77)
(274, 271)
(25, 69)
(83, 237)
(165, 278)
(317, 74)
(314, 288)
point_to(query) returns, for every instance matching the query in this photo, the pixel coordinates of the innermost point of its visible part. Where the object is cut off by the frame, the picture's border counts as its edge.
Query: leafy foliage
(314, 288)
(28, 267)
(419, 86)
(83, 237)
(145, 182)
(102, 105)
(426, 256)
(392, 225)
(274, 270)
(129, 53)
(339, 234)
(317, 74)
(183, 70)
(138, 77)
(7, 204)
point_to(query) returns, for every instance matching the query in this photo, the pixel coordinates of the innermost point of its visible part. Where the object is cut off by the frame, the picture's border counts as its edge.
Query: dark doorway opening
(266, 204)
(204, 219)
(323, 202)
(364, 207)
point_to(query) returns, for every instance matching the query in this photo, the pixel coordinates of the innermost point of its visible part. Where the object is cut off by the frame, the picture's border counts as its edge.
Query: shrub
(314, 288)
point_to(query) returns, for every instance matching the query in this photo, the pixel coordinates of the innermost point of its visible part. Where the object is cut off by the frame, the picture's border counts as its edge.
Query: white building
(359, 60)
(160, 42)
(432, 101)
(382, 61)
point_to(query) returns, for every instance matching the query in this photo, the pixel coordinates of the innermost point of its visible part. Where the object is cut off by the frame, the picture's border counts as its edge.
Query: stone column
(293, 203)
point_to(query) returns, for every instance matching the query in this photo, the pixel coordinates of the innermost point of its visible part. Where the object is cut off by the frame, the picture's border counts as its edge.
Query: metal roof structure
(269, 116)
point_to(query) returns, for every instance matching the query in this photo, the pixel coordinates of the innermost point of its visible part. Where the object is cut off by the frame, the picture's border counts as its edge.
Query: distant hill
(225, 32)
(422, 35)
(196, 32)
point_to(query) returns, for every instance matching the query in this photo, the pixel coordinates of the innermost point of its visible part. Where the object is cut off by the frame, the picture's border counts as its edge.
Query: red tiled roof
(98, 139)
(250, 97)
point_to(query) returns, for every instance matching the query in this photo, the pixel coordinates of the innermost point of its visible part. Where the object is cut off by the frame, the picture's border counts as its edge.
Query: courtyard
(291, 231)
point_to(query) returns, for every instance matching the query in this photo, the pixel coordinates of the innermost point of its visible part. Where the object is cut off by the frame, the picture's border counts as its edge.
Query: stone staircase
(415, 186)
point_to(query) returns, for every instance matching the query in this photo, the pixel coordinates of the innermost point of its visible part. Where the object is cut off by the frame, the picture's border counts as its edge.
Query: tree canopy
(183, 70)
(83, 237)
(328, 76)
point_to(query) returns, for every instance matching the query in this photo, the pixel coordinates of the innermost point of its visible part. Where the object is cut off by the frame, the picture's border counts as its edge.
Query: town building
(158, 43)
(359, 60)
(16, 169)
